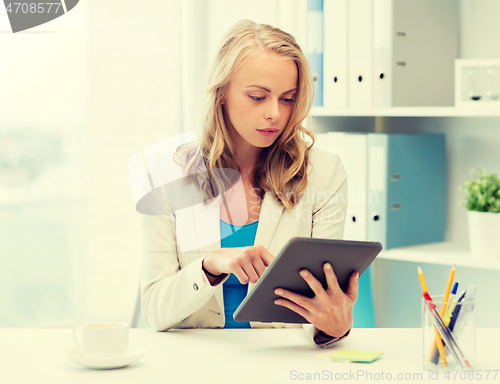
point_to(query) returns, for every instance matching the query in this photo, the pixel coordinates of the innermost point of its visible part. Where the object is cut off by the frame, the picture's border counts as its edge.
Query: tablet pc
(345, 256)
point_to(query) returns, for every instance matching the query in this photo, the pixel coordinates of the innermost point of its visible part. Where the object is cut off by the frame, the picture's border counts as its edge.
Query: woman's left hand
(331, 310)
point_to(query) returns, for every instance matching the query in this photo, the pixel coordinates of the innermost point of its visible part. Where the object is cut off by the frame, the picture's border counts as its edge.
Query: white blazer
(175, 292)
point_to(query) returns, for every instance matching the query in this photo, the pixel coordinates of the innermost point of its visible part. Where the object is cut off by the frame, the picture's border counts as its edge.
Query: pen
(456, 311)
(439, 341)
(453, 301)
(445, 333)
(443, 308)
(457, 321)
(462, 311)
(451, 325)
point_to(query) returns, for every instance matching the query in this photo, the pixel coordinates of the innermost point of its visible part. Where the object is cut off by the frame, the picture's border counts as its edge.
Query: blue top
(234, 292)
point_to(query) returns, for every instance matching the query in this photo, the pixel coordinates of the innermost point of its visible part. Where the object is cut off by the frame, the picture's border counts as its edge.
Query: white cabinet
(473, 140)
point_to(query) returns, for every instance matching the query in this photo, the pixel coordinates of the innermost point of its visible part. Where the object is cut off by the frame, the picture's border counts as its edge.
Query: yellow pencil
(448, 290)
(422, 280)
(443, 308)
(438, 337)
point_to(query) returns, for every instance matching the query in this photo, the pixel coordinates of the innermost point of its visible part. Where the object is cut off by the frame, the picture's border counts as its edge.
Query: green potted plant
(482, 200)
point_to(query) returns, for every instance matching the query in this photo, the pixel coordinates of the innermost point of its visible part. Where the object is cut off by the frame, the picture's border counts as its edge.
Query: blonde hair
(281, 168)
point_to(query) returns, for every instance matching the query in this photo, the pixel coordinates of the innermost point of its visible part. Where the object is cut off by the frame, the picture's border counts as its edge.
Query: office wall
(479, 29)
(134, 101)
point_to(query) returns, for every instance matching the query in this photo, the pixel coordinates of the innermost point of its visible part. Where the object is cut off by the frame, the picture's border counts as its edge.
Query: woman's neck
(247, 161)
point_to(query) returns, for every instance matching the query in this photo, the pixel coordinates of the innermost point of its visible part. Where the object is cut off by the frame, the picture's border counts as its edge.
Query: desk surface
(231, 356)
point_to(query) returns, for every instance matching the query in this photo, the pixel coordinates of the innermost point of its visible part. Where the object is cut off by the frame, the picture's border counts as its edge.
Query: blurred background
(79, 96)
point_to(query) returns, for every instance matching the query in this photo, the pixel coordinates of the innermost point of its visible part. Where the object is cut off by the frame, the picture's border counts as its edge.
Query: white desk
(35, 356)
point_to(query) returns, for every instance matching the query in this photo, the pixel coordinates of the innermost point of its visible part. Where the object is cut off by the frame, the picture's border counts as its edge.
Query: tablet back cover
(304, 253)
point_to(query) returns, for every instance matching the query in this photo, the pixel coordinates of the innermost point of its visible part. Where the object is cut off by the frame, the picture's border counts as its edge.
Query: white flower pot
(484, 234)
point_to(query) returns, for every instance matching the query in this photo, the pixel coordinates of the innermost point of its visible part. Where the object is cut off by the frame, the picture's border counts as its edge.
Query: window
(80, 96)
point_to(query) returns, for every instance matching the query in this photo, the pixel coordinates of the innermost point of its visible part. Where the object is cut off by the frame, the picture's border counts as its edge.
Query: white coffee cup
(103, 338)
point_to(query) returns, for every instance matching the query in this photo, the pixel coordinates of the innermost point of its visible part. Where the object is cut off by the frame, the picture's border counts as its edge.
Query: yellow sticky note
(356, 356)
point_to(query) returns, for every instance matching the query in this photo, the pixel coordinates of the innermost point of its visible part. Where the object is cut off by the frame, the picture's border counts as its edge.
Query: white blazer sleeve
(328, 220)
(169, 294)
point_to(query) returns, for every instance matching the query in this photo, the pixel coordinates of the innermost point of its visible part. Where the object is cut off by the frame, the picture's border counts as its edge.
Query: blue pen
(457, 322)
(456, 312)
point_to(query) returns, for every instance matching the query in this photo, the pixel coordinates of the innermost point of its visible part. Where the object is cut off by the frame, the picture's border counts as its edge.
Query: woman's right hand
(246, 263)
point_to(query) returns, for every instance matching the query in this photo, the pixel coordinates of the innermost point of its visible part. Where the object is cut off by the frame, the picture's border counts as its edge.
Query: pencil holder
(455, 332)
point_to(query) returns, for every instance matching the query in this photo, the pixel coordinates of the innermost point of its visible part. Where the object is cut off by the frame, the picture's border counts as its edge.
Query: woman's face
(260, 96)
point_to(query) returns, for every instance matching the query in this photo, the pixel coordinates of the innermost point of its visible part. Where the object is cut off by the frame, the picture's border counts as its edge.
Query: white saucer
(132, 354)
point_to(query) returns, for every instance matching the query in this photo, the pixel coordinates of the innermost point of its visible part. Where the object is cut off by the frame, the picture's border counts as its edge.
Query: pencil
(443, 308)
(448, 290)
(438, 337)
(422, 280)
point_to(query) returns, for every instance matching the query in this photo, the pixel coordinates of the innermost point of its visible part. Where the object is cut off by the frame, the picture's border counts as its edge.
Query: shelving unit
(445, 253)
(472, 142)
(407, 112)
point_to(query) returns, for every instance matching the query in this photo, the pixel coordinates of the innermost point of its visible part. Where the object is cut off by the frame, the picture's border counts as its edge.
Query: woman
(260, 91)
